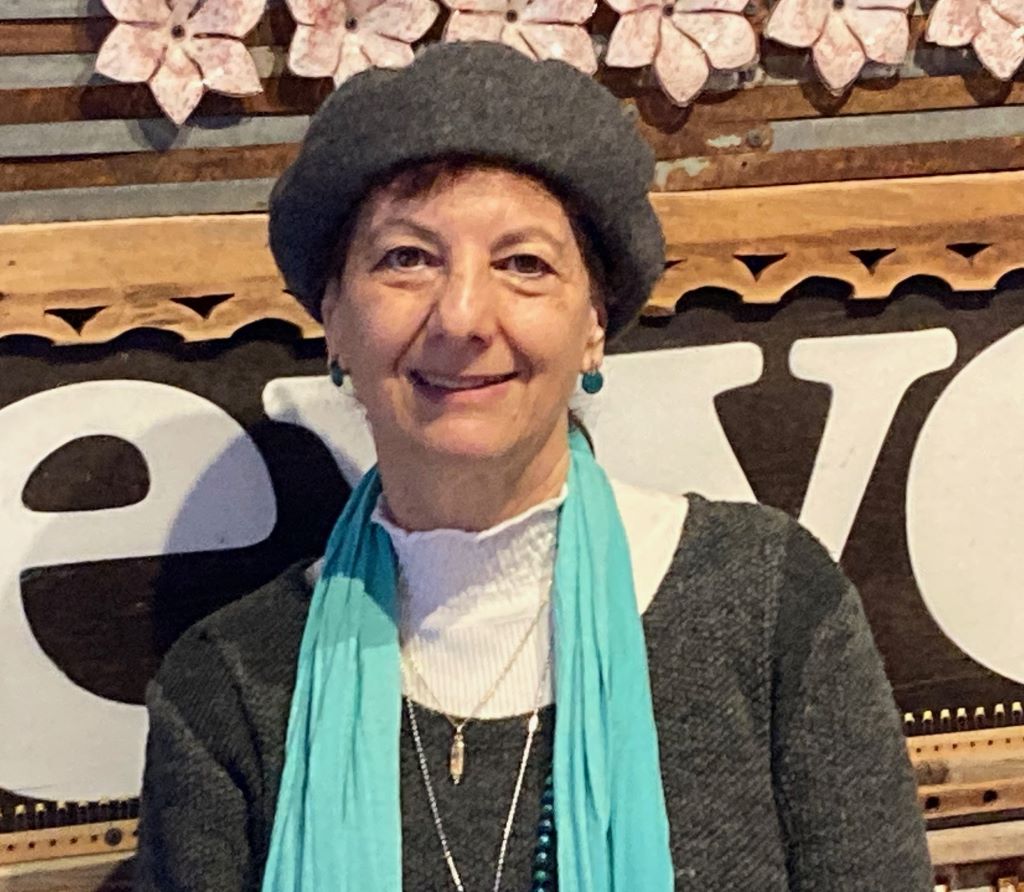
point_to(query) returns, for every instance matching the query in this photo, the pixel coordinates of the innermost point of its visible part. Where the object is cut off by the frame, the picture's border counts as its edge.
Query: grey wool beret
(479, 100)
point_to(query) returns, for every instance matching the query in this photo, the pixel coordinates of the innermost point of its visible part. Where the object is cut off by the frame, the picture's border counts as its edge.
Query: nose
(465, 307)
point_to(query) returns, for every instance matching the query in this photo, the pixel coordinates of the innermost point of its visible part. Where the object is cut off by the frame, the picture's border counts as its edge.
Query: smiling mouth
(458, 382)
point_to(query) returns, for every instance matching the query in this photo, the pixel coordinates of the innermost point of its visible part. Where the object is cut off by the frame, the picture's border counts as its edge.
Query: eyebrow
(526, 233)
(508, 239)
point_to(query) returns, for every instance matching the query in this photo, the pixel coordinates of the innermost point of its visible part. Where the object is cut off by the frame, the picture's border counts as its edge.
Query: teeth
(459, 383)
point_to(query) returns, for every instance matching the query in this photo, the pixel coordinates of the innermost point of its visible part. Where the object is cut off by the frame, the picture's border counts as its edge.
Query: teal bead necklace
(545, 876)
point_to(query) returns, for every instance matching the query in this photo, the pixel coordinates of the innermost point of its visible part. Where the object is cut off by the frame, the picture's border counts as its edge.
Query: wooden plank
(759, 168)
(974, 798)
(75, 35)
(133, 270)
(151, 135)
(146, 200)
(68, 69)
(740, 110)
(72, 840)
(782, 215)
(772, 103)
(185, 165)
(52, 9)
(909, 128)
(84, 35)
(287, 95)
(710, 139)
(972, 845)
(113, 872)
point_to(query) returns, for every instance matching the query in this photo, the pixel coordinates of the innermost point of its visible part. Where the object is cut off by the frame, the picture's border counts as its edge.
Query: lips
(458, 383)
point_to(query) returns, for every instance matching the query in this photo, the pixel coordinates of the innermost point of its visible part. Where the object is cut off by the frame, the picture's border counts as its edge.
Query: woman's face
(464, 316)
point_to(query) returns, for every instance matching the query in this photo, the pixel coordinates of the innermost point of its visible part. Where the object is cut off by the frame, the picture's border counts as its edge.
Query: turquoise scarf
(338, 822)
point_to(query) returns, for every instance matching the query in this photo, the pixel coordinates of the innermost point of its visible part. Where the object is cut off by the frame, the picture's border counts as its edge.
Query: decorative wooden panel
(966, 231)
(72, 142)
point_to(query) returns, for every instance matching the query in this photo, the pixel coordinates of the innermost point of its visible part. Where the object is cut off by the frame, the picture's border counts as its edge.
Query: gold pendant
(457, 758)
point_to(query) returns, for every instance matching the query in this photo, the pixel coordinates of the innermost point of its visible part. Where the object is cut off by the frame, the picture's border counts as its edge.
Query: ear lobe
(330, 300)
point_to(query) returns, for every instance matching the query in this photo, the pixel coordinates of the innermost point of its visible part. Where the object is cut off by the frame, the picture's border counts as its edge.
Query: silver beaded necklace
(532, 726)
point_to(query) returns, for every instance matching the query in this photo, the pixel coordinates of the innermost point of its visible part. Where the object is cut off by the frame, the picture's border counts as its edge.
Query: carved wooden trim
(205, 277)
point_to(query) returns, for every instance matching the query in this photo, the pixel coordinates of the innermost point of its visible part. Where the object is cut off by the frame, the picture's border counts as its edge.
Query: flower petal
(405, 20)
(311, 12)
(883, 33)
(478, 5)
(953, 22)
(903, 5)
(351, 60)
(155, 11)
(634, 40)
(710, 5)
(624, 7)
(474, 26)
(570, 43)
(512, 35)
(177, 85)
(728, 40)
(131, 53)
(385, 52)
(225, 64)
(314, 51)
(566, 12)
(234, 18)
(797, 22)
(838, 55)
(1011, 10)
(998, 44)
(679, 64)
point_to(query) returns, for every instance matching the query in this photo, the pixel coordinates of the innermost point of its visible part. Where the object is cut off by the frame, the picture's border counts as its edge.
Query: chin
(467, 439)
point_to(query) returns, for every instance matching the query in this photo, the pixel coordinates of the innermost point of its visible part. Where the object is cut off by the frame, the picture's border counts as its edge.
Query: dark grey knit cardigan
(783, 762)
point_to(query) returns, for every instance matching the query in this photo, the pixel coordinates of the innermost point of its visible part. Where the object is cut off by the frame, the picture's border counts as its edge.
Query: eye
(405, 257)
(527, 265)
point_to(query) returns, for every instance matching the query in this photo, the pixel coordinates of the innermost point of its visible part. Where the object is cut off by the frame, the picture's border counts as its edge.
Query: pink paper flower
(995, 28)
(843, 34)
(542, 29)
(684, 40)
(181, 48)
(339, 38)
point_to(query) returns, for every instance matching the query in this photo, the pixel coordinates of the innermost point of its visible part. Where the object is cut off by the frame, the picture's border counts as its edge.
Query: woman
(470, 230)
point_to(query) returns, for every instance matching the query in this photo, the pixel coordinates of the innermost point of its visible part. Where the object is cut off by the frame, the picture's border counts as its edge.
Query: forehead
(469, 198)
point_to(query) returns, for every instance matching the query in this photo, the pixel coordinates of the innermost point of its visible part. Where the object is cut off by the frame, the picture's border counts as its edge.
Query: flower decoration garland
(685, 40)
(542, 29)
(994, 28)
(339, 38)
(181, 48)
(843, 34)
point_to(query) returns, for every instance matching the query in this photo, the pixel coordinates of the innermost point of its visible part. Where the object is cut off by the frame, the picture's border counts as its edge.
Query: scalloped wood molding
(204, 278)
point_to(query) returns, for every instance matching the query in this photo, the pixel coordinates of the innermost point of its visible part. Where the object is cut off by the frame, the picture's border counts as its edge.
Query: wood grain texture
(131, 272)
(762, 168)
(112, 872)
(965, 230)
(76, 35)
(140, 200)
(70, 841)
(286, 95)
(186, 166)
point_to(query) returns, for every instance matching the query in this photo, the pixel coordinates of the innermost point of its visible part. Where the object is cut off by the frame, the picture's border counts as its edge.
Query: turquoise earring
(337, 373)
(593, 381)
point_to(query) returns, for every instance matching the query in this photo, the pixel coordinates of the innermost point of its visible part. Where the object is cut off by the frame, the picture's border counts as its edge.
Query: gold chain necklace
(457, 753)
(532, 726)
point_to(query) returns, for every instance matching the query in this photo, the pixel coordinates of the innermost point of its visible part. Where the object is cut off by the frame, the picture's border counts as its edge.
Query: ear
(593, 352)
(331, 315)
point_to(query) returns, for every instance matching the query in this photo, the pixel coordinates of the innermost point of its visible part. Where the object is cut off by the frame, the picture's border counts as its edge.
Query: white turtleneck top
(470, 598)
